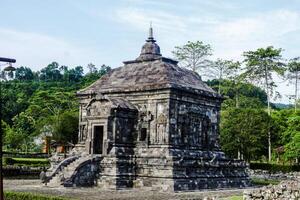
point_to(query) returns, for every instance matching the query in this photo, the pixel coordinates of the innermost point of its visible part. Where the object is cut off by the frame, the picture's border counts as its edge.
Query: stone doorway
(98, 140)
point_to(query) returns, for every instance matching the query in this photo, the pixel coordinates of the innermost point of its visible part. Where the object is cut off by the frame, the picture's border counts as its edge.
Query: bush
(25, 155)
(32, 162)
(275, 167)
(8, 195)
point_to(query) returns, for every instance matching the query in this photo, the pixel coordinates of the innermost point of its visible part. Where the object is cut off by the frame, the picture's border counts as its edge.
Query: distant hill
(282, 105)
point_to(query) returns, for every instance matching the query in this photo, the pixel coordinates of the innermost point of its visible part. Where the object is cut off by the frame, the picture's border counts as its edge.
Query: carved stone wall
(169, 143)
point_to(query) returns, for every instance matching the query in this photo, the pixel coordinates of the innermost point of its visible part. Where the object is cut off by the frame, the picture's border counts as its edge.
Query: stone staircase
(66, 176)
(54, 173)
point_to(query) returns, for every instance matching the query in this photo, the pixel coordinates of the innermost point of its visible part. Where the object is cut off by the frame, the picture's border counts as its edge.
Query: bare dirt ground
(95, 193)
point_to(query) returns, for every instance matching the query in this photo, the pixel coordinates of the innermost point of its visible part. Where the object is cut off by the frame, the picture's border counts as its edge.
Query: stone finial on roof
(150, 49)
(150, 38)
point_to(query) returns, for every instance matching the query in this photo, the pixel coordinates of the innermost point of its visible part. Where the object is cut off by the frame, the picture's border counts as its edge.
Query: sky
(78, 32)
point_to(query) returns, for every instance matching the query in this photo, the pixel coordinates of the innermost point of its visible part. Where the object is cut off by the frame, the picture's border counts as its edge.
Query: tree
(291, 137)
(260, 67)
(92, 68)
(65, 127)
(24, 74)
(244, 132)
(51, 72)
(219, 69)
(76, 74)
(95, 74)
(193, 55)
(294, 73)
(240, 94)
(22, 131)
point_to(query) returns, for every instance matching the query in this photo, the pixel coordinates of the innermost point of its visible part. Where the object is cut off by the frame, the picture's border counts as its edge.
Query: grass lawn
(9, 195)
(25, 161)
(32, 159)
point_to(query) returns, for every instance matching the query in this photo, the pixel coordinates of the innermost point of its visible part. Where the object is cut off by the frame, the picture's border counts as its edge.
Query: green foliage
(33, 162)
(24, 74)
(249, 95)
(9, 195)
(51, 72)
(262, 64)
(94, 74)
(291, 137)
(65, 127)
(274, 167)
(244, 131)
(35, 100)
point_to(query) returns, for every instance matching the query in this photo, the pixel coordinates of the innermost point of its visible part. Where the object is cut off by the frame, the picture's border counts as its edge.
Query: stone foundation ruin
(149, 124)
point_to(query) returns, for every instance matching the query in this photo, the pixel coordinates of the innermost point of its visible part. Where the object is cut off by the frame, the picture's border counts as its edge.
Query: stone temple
(149, 124)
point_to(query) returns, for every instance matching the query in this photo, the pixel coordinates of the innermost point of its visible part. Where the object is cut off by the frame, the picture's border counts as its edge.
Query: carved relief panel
(145, 117)
(161, 124)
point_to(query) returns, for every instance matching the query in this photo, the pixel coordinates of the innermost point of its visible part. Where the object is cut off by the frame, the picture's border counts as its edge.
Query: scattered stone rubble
(264, 174)
(288, 190)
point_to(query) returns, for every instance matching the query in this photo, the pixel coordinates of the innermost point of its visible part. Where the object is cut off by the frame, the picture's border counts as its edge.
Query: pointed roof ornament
(150, 38)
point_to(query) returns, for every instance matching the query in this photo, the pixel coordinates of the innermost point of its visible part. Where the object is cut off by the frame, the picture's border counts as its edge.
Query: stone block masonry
(154, 125)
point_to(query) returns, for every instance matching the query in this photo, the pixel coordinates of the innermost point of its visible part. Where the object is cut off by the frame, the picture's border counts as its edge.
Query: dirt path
(96, 193)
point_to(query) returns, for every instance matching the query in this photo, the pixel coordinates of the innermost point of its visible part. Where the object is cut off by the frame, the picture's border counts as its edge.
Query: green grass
(31, 159)
(33, 162)
(9, 195)
(258, 181)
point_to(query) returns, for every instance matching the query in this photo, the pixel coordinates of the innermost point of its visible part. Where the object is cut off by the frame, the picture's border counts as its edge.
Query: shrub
(28, 196)
(25, 155)
(275, 167)
(33, 162)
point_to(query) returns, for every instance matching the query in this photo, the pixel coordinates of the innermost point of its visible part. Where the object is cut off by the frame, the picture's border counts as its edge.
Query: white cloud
(141, 18)
(33, 49)
(229, 37)
(267, 26)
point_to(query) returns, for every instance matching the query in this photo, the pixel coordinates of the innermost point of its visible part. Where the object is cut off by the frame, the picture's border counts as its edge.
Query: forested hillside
(43, 102)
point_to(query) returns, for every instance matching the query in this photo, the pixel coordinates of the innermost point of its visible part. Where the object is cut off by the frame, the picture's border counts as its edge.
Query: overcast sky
(77, 32)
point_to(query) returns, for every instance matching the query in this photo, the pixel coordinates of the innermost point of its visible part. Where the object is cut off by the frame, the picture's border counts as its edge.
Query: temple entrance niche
(98, 140)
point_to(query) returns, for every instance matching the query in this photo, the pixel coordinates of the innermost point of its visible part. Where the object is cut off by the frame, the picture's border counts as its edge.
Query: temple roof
(148, 72)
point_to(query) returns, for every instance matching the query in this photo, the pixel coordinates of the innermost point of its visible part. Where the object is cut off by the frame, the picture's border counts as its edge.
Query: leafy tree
(294, 73)
(53, 103)
(193, 55)
(76, 74)
(15, 98)
(24, 74)
(291, 137)
(244, 132)
(219, 69)
(22, 130)
(260, 67)
(239, 94)
(51, 72)
(95, 74)
(244, 102)
(65, 127)
(92, 68)
(5, 129)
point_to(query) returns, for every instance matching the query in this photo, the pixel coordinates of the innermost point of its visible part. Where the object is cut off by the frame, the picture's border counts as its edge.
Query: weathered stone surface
(264, 174)
(153, 125)
(286, 190)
